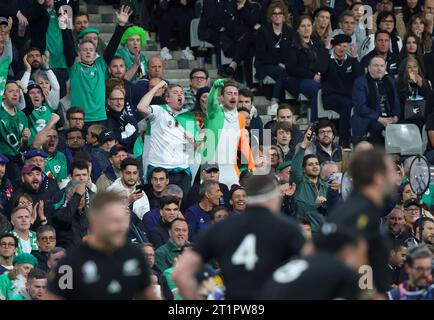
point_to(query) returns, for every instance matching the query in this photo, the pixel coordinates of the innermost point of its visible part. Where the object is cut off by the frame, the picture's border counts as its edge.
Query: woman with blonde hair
(322, 25)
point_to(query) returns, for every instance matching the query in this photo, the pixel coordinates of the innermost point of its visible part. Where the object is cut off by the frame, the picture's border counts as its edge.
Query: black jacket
(70, 225)
(339, 79)
(266, 51)
(48, 192)
(39, 19)
(159, 235)
(238, 22)
(304, 63)
(212, 18)
(42, 259)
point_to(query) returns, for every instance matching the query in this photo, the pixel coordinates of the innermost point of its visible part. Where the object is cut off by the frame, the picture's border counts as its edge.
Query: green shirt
(5, 287)
(32, 239)
(166, 254)
(129, 61)
(172, 286)
(55, 42)
(38, 119)
(56, 166)
(88, 89)
(11, 128)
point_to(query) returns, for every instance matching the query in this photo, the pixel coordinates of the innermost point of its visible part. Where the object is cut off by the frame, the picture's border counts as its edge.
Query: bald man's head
(155, 68)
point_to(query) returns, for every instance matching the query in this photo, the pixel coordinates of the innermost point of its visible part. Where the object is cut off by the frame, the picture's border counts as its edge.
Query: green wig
(135, 31)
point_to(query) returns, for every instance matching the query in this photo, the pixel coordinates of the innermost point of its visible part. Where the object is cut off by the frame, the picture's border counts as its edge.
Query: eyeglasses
(77, 119)
(423, 270)
(199, 78)
(7, 244)
(46, 239)
(325, 132)
(280, 13)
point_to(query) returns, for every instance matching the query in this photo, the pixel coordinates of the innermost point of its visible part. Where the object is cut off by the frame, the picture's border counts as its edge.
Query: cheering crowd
(144, 189)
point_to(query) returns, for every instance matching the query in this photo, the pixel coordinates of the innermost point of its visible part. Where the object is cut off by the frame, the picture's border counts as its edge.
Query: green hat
(86, 31)
(25, 258)
(284, 165)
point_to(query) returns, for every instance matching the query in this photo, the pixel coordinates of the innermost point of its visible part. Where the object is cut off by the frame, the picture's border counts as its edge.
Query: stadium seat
(403, 139)
(322, 113)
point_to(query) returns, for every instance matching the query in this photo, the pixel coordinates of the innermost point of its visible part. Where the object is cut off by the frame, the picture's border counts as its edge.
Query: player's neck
(99, 244)
(374, 195)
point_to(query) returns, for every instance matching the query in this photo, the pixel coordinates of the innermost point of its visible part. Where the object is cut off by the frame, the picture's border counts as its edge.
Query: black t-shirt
(100, 276)
(429, 127)
(318, 277)
(248, 247)
(360, 214)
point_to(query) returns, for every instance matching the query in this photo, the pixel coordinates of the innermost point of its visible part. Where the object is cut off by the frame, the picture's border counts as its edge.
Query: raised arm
(68, 43)
(122, 16)
(145, 102)
(41, 137)
(213, 101)
(297, 162)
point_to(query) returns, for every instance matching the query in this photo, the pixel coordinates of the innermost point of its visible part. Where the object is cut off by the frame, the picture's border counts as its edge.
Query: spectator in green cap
(14, 282)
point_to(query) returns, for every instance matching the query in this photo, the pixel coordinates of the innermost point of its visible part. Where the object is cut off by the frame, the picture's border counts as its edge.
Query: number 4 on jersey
(246, 253)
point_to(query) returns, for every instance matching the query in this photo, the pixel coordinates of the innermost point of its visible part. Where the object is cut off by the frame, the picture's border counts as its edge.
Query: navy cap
(206, 272)
(106, 136)
(3, 20)
(35, 153)
(3, 159)
(33, 85)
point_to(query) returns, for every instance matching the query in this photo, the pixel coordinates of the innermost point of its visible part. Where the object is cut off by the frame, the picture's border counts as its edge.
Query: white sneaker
(272, 110)
(165, 54)
(188, 54)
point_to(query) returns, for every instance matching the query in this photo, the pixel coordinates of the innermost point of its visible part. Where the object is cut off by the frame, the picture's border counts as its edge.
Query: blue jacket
(360, 100)
(196, 218)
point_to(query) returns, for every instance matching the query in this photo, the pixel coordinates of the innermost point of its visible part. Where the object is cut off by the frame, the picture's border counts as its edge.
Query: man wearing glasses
(418, 266)
(46, 240)
(198, 79)
(8, 249)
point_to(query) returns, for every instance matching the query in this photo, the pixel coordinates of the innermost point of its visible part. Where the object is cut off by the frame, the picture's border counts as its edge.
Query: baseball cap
(3, 159)
(87, 31)
(411, 202)
(35, 153)
(116, 148)
(206, 272)
(29, 168)
(106, 136)
(208, 166)
(3, 20)
(33, 85)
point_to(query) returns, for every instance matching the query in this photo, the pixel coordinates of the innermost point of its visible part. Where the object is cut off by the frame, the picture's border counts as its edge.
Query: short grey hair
(418, 252)
(173, 190)
(206, 187)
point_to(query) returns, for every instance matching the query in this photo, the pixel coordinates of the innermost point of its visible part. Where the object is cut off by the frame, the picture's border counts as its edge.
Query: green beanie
(25, 258)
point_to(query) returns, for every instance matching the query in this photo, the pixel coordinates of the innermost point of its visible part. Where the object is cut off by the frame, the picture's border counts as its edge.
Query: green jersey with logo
(11, 129)
(55, 43)
(38, 119)
(88, 89)
(56, 166)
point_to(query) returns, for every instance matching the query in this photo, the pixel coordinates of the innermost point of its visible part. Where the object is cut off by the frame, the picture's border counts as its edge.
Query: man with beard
(74, 144)
(31, 183)
(373, 175)
(33, 57)
(418, 266)
(323, 146)
(127, 184)
(14, 131)
(427, 225)
(225, 130)
(173, 136)
(97, 264)
(237, 199)
(55, 167)
(112, 172)
(310, 197)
